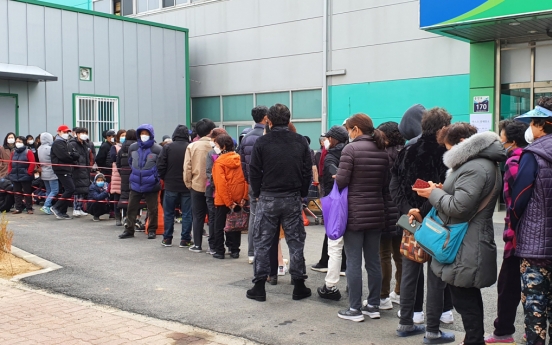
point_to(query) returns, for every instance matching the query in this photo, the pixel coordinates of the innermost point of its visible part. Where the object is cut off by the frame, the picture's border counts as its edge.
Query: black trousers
(134, 207)
(66, 180)
(97, 209)
(26, 188)
(211, 224)
(233, 238)
(509, 296)
(273, 253)
(469, 304)
(199, 210)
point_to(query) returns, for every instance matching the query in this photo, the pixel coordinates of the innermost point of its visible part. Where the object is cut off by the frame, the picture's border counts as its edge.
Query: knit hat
(339, 133)
(99, 175)
(165, 137)
(411, 122)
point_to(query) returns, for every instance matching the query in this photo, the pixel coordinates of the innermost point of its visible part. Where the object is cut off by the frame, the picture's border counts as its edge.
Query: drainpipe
(325, 68)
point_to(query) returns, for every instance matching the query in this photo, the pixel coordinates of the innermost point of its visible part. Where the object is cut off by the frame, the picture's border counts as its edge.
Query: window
(117, 7)
(97, 114)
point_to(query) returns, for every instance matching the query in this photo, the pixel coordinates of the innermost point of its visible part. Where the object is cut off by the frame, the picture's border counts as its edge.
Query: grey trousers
(358, 244)
(271, 212)
(435, 295)
(253, 210)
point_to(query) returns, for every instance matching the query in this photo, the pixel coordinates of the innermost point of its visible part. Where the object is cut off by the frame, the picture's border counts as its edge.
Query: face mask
(112, 140)
(507, 148)
(529, 135)
(19, 145)
(100, 183)
(212, 143)
(30, 142)
(84, 137)
(122, 140)
(144, 138)
(218, 150)
(327, 144)
(64, 136)
(11, 140)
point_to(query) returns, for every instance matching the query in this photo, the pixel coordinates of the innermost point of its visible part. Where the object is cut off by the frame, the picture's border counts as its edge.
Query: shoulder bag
(409, 246)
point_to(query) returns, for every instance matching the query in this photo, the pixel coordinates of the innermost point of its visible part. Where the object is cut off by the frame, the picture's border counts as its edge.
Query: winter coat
(44, 150)
(194, 164)
(103, 158)
(170, 163)
(332, 157)
(364, 169)
(511, 169)
(4, 158)
(230, 184)
(534, 229)
(81, 176)
(61, 153)
(123, 167)
(21, 172)
(98, 193)
(246, 147)
(209, 184)
(393, 214)
(115, 176)
(143, 162)
(6, 199)
(473, 175)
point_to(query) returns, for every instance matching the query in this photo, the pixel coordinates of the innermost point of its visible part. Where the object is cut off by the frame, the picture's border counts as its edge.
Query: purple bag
(335, 212)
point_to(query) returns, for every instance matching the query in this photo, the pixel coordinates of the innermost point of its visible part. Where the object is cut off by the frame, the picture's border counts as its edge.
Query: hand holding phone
(420, 184)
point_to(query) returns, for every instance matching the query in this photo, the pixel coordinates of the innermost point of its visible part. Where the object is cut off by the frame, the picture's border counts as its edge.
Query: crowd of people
(204, 176)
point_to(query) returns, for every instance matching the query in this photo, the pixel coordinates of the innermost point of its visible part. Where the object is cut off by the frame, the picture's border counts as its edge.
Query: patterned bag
(237, 220)
(409, 247)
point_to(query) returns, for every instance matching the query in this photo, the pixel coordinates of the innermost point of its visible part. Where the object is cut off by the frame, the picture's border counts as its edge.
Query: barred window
(97, 114)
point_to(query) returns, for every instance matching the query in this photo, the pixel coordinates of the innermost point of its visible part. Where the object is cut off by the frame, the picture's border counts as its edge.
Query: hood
(411, 122)
(98, 176)
(336, 150)
(541, 147)
(481, 145)
(148, 128)
(181, 133)
(230, 160)
(46, 138)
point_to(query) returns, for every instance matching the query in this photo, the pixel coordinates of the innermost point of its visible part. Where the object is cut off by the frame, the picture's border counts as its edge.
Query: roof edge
(101, 14)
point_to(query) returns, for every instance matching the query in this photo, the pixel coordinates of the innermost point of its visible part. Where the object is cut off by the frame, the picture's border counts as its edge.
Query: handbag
(237, 220)
(409, 246)
(335, 212)
(442, 240)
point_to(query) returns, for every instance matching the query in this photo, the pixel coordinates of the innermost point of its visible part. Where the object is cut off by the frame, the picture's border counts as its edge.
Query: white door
(8, 121)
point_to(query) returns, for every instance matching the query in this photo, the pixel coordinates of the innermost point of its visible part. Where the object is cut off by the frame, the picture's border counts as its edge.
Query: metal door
(8, 115)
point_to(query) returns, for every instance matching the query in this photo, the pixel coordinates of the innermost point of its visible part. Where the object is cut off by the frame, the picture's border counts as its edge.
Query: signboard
(481, 104)
(448, 12)
(483, 122)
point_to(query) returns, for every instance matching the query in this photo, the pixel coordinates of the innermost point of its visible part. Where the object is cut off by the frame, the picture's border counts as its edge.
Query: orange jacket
(230, 184)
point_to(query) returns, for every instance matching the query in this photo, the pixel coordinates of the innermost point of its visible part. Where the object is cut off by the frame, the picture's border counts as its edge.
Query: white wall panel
(37, 57)
(181, 75)
(341, 6)
(116, 66)
(54, 65)
(4, 55)
(70, 38)
(100, 73)
(515, 64)
(130, 75)
(17, 33)
(170, 77)
(157, 76)
(86, 50)
(144, 74)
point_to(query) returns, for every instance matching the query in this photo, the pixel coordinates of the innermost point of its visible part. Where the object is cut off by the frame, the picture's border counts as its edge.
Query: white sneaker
(282, 270)
(395, 298)
(447, 317)
(82, 213)
(76, 213)
(251, 259)
(418, 317)
(385, 304)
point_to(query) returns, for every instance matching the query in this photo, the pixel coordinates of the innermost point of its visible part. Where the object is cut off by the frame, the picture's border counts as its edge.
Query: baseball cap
(63, 128)
(537, 113)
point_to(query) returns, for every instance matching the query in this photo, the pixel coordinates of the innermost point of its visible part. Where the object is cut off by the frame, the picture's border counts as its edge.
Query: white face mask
(144, 138)
(11, 140)
(19, 145)
(65, 136)
(112, 140)
(327, 144)
(84, 137)
(217, 150)
(212, 143)
(30, 142)
(529, 135)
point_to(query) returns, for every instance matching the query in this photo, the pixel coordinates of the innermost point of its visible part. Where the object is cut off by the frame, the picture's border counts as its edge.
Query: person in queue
(47, 172)
(9, 142)
(81, 174)
(115, 185)
(124, 170)
(21, 173)
(62, 157)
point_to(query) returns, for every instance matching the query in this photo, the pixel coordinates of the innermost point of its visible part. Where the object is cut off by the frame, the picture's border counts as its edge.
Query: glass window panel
(206, 107)
(310, 129)
(142, 5)
(153, 4)
(514, 103)
(543, 68)
(232, 131)
(515, 65)
(128, 8)
(307, 104)
(269, 99)
(168, 3)
(237, 108)
(178, 2)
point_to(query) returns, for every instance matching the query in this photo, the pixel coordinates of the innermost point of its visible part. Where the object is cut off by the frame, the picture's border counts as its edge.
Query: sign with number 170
(481, 104)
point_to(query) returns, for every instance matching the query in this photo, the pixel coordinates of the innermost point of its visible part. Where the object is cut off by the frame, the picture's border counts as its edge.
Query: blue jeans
(52, 190)
(169, 203)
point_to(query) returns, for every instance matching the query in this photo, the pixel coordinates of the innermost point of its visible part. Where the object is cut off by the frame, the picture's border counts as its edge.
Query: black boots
(258, 293)
(300, 291)
(126, 234)
(151, 235)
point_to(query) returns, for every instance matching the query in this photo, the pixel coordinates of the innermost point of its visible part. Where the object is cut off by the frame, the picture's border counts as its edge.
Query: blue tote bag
(335, 212)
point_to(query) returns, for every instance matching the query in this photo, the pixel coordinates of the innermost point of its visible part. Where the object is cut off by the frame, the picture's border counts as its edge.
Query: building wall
(142, 65)
(83, 4)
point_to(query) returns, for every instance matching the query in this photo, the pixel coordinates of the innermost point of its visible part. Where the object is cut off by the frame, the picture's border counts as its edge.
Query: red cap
(63, 128)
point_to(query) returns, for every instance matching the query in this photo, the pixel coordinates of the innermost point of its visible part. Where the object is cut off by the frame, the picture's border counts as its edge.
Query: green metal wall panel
(206, 107)
(311, 129)
(82, 4)
(237, 108)
(388, 100)
(269, 99)
(307, 104)
(482, 62)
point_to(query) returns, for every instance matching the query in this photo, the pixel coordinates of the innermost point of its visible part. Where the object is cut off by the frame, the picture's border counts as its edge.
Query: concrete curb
(47, 266)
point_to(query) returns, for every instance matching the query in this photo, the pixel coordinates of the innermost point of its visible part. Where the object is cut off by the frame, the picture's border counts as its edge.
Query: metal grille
(97, 114)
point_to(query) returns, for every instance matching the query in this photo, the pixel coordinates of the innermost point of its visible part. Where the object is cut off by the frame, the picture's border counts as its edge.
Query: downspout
(325, 68)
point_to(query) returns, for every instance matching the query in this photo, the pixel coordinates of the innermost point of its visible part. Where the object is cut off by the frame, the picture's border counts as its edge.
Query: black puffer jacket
(170, 163)
(81, 176)
(364, 169)
(62, 154)
(124, 168)
(103, 159)
(332, 157)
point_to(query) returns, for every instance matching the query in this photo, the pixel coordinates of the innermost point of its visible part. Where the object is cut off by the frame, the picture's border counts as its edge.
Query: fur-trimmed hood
(482, 145)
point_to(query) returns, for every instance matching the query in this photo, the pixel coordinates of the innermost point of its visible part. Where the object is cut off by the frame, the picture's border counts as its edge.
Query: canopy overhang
(25, 73)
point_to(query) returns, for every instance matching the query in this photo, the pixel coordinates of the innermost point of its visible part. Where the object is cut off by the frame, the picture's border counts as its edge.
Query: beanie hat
(411, 122)
(339, 133)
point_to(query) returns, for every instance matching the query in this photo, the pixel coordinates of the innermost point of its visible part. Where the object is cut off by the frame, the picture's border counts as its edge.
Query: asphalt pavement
(141, 276)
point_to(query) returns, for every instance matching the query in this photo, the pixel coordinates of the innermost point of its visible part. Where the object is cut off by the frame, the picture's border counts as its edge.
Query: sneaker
(96, 219)
(76, 213)
(235, 255)
(46, 210)
(319, 268)
(210, 251)
(218, 256)
(505, 339)
(282, 270)
(371, 311)
(343, 273)
(55, 212)
(251, 259)
(64, 217)
(186, 244)
(178, 220)
(413, 330)
(151, 235)
(353, 315)
(82, 213)
(447, 317)
(167, 242)
(195, 249)
(395, 298)
(385, 304)
(329, 293)
(118, 222)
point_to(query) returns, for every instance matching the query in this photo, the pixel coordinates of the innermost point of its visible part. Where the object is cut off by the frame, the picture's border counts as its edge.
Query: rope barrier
(63, 165)
(65, 199)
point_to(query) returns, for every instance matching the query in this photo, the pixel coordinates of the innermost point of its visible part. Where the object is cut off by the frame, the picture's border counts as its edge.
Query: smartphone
(420, 184)
(333, 169)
